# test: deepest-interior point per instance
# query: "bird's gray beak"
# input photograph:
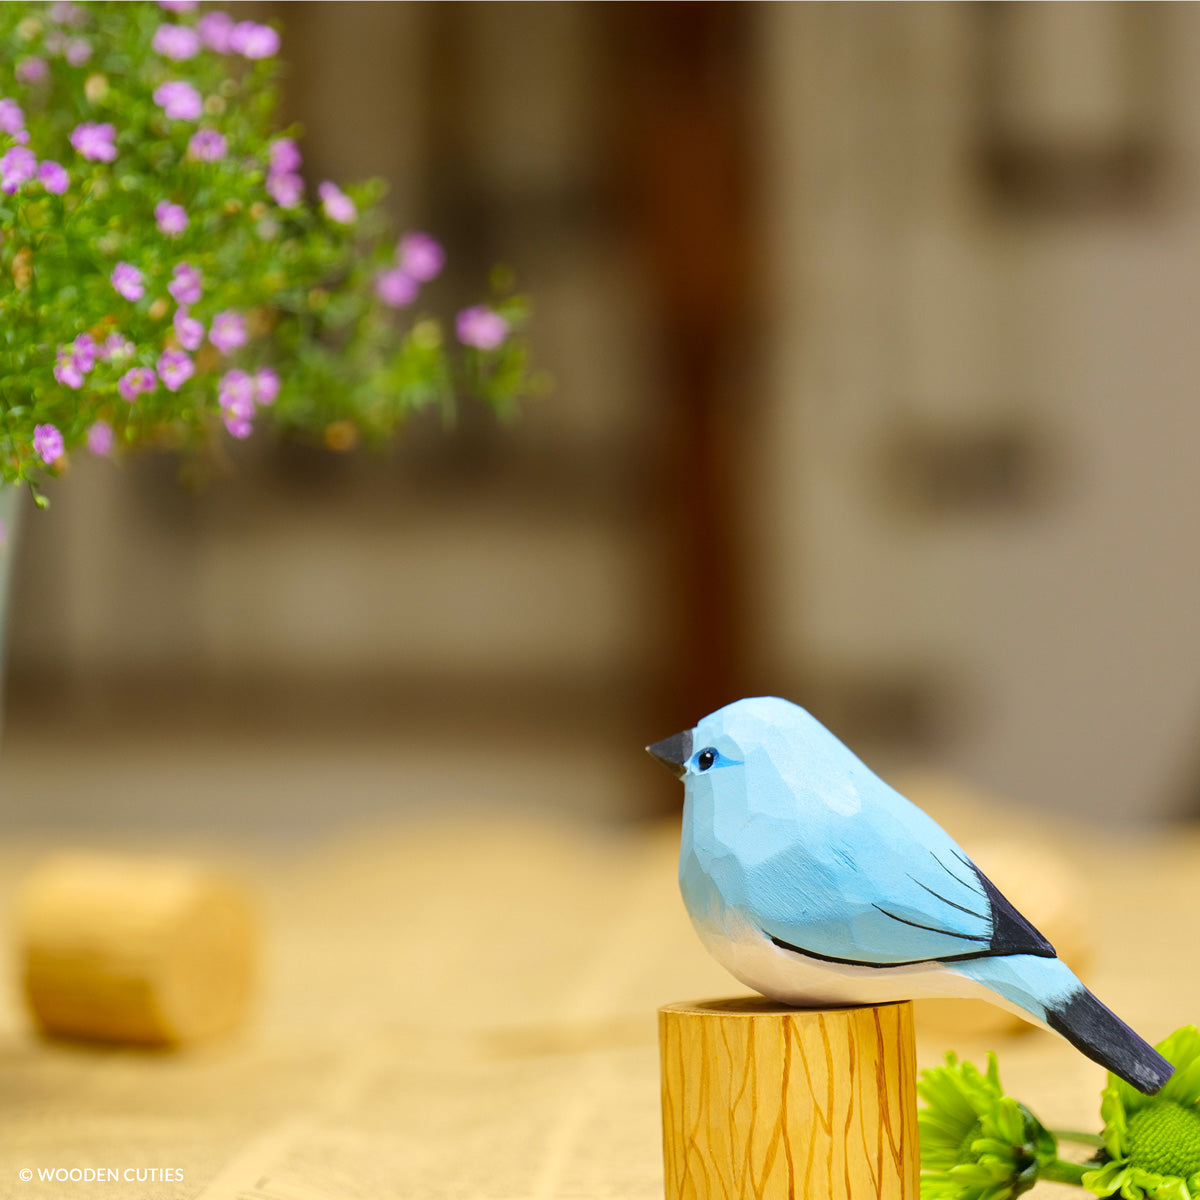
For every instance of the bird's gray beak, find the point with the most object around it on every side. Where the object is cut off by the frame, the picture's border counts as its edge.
(673, 752)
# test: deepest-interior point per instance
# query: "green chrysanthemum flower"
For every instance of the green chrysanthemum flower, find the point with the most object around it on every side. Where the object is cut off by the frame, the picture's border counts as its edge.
(976, 1142)
(1152, 1143)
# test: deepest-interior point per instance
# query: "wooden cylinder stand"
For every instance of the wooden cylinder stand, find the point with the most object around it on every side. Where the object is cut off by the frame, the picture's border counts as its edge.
(773, 1103)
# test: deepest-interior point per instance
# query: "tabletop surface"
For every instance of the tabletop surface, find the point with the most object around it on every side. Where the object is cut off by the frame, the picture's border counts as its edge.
(466, 1008)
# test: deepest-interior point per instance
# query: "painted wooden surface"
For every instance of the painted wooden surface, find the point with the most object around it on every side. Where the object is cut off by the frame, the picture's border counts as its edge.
(770, 1102)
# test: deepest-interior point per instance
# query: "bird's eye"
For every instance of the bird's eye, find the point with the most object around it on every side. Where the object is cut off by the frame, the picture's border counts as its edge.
(706, 758)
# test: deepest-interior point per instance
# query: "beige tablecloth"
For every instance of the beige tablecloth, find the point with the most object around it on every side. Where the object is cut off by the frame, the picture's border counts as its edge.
(468, 1010)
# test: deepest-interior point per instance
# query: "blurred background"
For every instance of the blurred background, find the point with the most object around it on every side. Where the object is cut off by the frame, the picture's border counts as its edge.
(872, 331)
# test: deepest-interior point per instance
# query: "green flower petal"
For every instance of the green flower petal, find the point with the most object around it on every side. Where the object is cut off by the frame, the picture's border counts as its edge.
(991, 1147)
(1153, 1142)
(1009, 1121)
(976, 1143)
(976, 1173)
(1106, 1180)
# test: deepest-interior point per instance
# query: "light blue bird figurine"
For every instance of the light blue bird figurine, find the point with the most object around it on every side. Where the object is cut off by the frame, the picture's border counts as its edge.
(815, 883)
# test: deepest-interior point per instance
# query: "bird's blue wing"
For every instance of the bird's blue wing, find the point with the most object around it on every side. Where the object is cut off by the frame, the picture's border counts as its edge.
(890, 890)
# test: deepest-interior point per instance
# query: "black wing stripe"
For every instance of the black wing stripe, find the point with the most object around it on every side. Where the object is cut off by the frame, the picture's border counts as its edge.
(858, 962)
(938, 896)
(957, 878)
(966, 937)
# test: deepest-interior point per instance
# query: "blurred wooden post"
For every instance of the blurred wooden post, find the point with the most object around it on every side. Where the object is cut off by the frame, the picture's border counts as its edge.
(772, 1103)
(686, 131)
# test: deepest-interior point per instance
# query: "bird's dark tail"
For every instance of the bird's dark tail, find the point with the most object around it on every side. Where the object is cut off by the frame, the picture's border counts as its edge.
(1100, 1034)
(1048, 990)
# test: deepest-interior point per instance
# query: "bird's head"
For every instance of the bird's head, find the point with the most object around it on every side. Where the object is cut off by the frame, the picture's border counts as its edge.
(732, 736)
(766, 757)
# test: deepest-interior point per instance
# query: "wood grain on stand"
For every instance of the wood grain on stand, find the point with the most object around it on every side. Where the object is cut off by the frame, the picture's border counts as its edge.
(770, 1102)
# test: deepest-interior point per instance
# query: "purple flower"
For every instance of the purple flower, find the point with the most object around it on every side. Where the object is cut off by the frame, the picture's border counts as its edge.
(127, 279)
(176, 41)
(215, 29)
(236, 396)
(17, 167)
(179, 100)
(420, 256)
(266, 386)
(115, 347)
(77, 51)
(236, 392)
(395, 287)
(95, 142)
(54, 177)
(172, 219)
(65, 13)
(32, 70)
(284, 156)
(178, 6)
(75, 360)
(12, 119)
(100, 438)
(67, 370)
(174, 369)
(185, 284)
(240, 427)
(252, 40)
(207, 145)
(86, 350)
(480, 327)
(188, 330)
(48, 442)
(286, 190)
(137, 380)
(68, 374)
(228, 331)
(338, 206)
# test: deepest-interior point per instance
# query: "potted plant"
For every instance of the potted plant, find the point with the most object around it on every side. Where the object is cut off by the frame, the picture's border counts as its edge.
(169, 277)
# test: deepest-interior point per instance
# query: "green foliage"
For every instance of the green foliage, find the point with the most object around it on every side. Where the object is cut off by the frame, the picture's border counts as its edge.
(1152, 1143)
(303, 282)
(974, 1147)
(976, 1142)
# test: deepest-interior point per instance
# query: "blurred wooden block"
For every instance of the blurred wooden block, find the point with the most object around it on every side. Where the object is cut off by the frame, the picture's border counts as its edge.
(773, 1103)
(141, 950)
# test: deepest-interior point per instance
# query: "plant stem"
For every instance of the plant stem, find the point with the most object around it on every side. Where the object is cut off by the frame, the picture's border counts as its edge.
(1059, 1171)
(1083, 1139)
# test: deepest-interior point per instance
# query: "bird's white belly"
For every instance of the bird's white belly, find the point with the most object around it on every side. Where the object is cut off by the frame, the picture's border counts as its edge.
(806, 982)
